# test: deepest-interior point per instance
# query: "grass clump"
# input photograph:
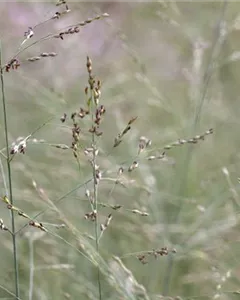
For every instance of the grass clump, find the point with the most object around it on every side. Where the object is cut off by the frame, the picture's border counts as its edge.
(116, 190)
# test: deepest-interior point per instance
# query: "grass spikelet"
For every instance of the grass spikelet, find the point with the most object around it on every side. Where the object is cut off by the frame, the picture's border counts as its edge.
(3, 226)
(42, 55)
(118, 138)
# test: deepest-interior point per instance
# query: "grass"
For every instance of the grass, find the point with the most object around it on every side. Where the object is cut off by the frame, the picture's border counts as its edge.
(9, 192)
(159, 217)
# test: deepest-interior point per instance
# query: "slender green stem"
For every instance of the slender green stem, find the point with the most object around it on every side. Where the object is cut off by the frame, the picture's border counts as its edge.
(32, 267)
(9, 179)
(96, 225)
(95, 196)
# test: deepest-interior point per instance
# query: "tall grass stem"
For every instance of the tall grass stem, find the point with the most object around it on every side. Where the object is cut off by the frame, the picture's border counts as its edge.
(5, 117)
(95, 196)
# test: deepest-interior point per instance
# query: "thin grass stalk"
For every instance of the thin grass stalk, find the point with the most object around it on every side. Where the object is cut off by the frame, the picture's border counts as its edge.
(95, 197)
(14, 242)
(3, 175)
(183, 170)
(92, 104)
(31, 265)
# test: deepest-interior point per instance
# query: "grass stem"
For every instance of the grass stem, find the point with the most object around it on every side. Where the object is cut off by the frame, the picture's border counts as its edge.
(14, 242)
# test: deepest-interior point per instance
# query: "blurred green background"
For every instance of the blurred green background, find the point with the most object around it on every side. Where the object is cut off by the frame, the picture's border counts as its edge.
(173, 64)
